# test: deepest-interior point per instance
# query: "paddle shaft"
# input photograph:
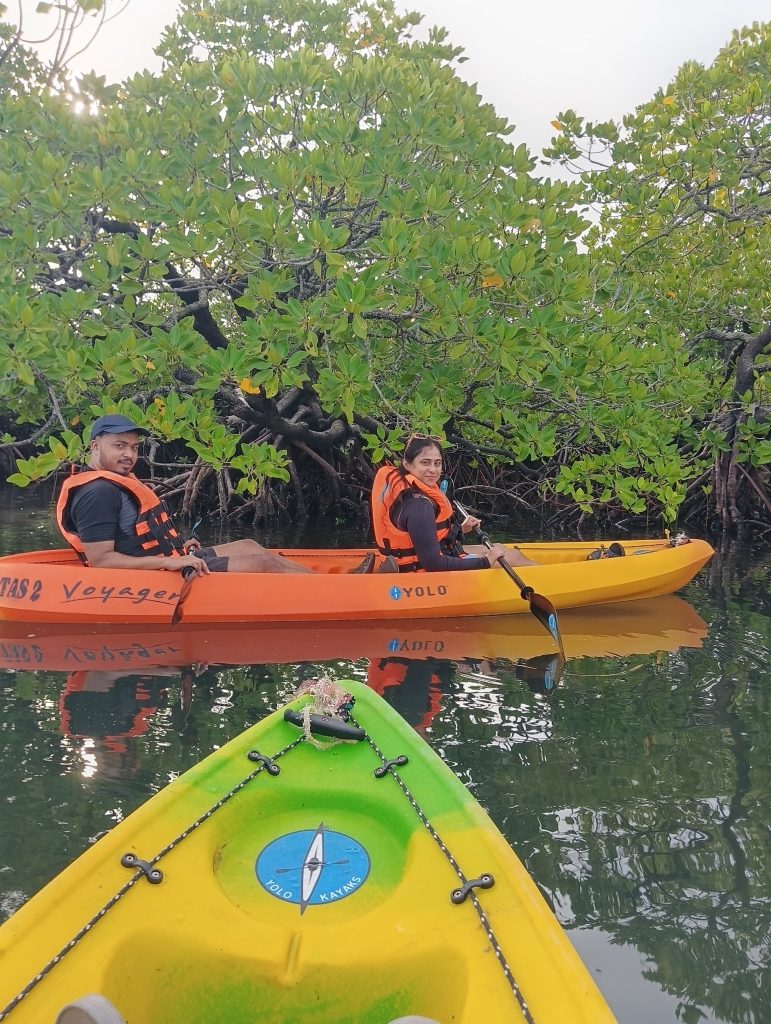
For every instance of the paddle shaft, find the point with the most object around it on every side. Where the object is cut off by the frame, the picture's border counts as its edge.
(540, 606)
(525, 592)
(188, 575)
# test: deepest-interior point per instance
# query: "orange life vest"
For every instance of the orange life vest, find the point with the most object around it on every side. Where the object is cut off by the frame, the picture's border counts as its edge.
(110, 715)
(154, 528)
(390, 484)
(391, 674)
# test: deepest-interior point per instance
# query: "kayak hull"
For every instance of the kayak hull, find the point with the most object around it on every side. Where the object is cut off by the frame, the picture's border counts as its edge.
(52, 586)
(315, 893)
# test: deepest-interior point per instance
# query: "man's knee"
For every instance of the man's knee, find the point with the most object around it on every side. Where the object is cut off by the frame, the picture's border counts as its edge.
(240, 547)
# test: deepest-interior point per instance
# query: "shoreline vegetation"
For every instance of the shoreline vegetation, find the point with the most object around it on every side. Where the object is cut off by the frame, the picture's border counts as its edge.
(306, 236)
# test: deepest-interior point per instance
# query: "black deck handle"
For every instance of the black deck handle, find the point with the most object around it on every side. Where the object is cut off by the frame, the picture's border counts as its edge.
(326, 725)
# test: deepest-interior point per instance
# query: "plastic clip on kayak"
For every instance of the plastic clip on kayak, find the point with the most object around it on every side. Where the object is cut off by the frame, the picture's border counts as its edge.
(326, 725)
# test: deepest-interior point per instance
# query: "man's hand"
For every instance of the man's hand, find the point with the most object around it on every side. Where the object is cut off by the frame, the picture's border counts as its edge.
(193, 544)
(186, 561)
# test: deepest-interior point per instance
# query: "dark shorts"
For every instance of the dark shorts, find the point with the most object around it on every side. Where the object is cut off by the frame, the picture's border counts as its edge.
(216, 563)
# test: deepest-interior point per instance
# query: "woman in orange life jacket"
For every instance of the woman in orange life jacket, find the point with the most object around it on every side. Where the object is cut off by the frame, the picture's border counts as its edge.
(413, 519)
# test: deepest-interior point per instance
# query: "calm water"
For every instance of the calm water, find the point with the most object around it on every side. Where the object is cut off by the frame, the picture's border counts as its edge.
(638, 793)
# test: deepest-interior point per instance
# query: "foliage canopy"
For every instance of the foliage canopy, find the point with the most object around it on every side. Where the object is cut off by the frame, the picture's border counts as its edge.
(307, 235)
(682, 187)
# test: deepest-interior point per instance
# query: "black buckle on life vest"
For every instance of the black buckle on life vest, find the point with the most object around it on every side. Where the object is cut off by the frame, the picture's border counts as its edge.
(387, 549)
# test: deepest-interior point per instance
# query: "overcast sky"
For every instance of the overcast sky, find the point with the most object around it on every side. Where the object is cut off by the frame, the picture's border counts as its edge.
(529, 59)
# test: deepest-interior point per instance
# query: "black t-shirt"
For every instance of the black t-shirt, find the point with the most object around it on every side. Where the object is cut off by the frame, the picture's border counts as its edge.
(102, 510)
(115, 711)
(415, 514)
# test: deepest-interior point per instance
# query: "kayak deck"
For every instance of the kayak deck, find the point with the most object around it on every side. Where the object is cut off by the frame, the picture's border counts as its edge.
(52, 586)
(315, 887)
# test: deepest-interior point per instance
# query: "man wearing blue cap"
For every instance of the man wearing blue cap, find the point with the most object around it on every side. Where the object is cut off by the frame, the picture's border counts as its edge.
(113, 521)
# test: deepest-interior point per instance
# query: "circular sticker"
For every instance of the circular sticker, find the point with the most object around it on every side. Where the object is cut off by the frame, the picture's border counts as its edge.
(395, 593)
(312, 868)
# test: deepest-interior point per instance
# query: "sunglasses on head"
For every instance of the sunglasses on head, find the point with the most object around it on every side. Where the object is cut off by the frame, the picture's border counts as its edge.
(423, 437)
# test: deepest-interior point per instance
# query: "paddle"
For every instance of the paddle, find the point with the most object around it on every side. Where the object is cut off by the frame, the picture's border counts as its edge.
(542, 673)
(188, 575)
(540, 606)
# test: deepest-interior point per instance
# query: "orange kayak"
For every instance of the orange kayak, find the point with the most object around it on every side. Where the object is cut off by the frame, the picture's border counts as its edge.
(52, 586)
(631, 627)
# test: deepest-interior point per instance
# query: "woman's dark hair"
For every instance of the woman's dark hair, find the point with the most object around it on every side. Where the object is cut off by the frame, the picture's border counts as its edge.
(417, 443)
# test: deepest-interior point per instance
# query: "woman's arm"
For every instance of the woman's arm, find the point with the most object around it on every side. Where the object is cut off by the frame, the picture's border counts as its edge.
(416, 516)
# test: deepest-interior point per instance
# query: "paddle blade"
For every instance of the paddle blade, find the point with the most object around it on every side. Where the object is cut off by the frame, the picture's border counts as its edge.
(546, 614)
(542, 674)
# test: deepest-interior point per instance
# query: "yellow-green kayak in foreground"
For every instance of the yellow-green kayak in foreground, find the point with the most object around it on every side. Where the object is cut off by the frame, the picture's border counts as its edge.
(280, 883)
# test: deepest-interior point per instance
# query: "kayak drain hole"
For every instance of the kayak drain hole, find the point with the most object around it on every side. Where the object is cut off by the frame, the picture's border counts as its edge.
(483, 882)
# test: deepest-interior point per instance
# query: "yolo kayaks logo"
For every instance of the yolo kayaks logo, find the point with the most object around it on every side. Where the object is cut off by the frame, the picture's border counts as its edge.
(312, 868)
(397, 593)
(403, 645)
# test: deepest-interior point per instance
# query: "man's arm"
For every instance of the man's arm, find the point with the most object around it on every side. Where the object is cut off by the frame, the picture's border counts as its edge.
(101, 554)
(96, 513)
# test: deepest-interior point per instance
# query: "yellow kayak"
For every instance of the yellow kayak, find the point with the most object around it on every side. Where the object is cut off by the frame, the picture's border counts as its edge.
(279, 882)
(53, 587)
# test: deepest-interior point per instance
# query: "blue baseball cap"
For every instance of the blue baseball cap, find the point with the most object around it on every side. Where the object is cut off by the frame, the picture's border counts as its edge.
(116, 424)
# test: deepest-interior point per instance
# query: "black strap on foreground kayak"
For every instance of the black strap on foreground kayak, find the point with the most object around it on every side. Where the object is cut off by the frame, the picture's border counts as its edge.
(325, 725)
(148, 870)
(468, 885)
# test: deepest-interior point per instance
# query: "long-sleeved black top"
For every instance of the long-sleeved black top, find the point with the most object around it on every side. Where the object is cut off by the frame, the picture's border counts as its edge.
(414, 513)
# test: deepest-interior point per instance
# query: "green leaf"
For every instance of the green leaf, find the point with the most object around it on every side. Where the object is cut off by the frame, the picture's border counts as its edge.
(19, 479)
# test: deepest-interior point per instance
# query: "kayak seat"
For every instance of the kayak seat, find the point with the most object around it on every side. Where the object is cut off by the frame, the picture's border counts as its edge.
(91, 1009)
(366, 565)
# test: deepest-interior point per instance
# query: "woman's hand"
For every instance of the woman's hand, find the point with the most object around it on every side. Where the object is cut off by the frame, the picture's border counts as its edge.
(495, 552)
(470, 523)
(193, 544)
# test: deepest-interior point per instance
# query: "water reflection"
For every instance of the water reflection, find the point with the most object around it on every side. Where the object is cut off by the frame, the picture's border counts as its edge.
(102, 712)
(633, 790)
(634, 627)
(119, 679)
